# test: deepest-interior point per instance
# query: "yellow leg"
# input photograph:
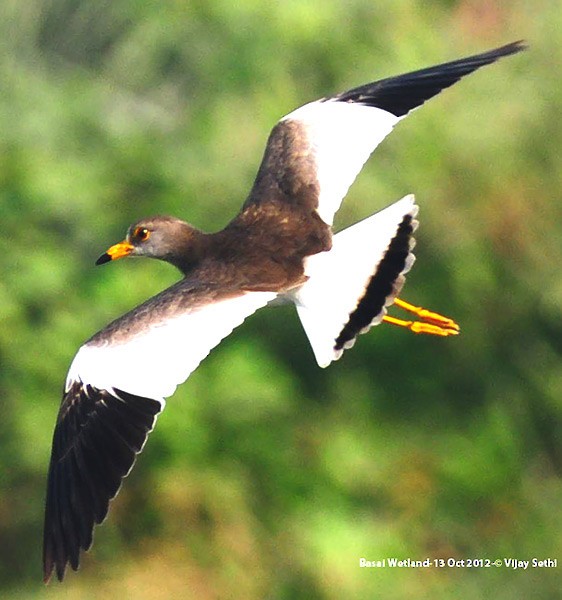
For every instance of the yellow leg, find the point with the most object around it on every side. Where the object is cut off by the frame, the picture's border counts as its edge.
(431, 323)
(427, 315)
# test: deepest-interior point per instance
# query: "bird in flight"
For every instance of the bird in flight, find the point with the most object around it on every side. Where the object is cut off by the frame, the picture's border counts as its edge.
(278, 248)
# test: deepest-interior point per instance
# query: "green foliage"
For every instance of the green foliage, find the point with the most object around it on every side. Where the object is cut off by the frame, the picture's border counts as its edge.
(266, 476)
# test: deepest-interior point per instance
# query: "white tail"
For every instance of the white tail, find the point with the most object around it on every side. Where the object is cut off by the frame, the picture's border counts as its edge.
(350, 286)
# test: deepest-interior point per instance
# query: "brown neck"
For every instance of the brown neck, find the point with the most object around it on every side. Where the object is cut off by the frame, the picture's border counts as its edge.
(188, 255)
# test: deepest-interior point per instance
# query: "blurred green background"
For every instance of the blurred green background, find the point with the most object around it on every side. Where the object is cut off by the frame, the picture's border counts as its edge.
(268, 477)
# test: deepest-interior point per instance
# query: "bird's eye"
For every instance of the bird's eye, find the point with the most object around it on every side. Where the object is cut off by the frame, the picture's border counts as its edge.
(141, 234)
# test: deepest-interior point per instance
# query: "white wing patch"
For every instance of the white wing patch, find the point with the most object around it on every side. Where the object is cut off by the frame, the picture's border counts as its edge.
(338, 278)
(342, 136)
(155, 362)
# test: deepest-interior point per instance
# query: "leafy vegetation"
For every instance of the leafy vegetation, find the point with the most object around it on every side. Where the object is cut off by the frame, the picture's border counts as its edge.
(266, 476)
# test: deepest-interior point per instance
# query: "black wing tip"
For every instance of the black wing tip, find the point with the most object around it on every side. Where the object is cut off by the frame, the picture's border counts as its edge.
(490, 56)
(57, 566)
(48, 568)
(59, 569)
(401, 94)
(96, 440)
(511, 48)
(47, 576)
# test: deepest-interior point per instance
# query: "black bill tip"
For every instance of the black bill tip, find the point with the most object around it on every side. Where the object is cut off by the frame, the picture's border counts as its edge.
(104, 258)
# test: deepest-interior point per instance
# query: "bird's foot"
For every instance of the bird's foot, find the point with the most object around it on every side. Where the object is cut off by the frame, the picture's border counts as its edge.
(431, 323)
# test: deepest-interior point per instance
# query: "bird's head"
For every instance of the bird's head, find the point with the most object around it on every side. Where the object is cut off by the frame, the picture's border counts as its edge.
(161, 237)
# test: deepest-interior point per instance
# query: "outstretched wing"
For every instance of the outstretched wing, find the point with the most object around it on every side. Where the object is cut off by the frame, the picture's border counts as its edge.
(314, 153)
(114, 391)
